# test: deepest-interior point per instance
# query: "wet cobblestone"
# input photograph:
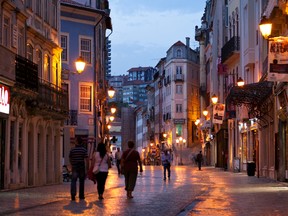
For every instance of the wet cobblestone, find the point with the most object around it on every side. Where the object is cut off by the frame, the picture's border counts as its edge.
(189, 192)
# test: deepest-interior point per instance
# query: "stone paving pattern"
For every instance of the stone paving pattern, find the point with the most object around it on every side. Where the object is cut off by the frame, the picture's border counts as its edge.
(211, 191)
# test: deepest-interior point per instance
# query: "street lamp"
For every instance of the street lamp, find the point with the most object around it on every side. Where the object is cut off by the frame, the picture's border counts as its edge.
(214, 99)
(111, 92)
(265, 27)
(113, 110)
(80, 64)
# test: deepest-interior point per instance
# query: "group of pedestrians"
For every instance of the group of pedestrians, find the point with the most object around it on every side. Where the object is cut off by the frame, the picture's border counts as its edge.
(127, 164)
(100, 165)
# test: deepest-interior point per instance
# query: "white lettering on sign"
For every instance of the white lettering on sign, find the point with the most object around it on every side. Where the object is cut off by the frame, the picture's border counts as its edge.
(4, 99)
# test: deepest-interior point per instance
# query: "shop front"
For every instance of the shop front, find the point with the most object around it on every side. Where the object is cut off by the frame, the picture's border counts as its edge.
(4, 113)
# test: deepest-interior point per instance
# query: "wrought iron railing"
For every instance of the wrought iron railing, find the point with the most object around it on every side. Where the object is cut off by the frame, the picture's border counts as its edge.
(26, 73)
(229, 48)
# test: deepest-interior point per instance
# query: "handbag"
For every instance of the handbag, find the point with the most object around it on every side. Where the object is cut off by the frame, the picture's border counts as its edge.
(91, 175)
(96, 171)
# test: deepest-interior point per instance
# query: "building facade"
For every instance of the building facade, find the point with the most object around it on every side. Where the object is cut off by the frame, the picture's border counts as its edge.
(35, 103)
(254, 128)
(84, 32)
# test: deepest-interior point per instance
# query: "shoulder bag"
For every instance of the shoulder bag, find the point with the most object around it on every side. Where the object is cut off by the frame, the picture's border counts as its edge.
(122, 162)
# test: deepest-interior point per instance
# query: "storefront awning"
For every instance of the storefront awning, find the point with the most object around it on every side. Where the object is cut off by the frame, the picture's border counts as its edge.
(254, 96)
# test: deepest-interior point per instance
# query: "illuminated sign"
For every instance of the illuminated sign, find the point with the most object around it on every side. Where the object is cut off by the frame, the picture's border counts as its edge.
(4, 99)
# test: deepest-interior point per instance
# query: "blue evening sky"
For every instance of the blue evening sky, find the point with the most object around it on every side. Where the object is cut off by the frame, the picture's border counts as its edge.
(143, 30)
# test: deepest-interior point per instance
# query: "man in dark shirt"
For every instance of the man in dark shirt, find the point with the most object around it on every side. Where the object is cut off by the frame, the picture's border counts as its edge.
(78, 157)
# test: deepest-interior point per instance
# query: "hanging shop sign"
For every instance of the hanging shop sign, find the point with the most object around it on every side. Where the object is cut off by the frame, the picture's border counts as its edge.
(278, 59)
(218, 113)
(4, 99)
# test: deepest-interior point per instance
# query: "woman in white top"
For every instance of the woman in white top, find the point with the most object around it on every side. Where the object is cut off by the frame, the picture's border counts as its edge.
(101, 160)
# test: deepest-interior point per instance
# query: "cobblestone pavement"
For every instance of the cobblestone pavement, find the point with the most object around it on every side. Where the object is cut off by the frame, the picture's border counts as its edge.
(189, 192)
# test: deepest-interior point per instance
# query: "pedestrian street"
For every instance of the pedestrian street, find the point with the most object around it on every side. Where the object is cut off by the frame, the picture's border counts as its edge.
(211, 191)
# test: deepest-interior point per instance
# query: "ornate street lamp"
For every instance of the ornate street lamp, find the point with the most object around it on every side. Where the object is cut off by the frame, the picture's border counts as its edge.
(80, 65)
(111, 92)
(265, 27)
(113, 110)
(214, 99)
(205, 113)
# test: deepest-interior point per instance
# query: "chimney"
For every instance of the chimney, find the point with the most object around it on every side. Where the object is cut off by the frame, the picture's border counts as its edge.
(188, 42)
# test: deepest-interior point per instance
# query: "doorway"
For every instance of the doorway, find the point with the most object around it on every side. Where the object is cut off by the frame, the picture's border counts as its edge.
(2, 150)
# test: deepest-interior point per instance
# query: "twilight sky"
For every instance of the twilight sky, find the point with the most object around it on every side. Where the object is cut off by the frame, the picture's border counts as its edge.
(143, 30)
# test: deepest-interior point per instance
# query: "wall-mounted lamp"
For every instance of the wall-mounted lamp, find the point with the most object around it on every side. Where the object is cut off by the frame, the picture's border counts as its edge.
(214, 99)
(109, 126)
(240, 82)
(111, 92)
(164, 135)
(113, 110)
(80, 65)
(111, 118)
(205, 112)
(265, 26)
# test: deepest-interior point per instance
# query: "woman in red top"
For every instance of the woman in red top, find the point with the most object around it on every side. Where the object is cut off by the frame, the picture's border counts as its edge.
(132, 159)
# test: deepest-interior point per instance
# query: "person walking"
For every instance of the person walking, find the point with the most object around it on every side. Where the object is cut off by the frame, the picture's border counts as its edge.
(78, 157)
(199, 159)
(131, 160)
(166, 163)
(102, 164)
(118, 155)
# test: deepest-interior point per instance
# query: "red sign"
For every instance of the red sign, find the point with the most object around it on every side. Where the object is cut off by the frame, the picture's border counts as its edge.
(4, 99)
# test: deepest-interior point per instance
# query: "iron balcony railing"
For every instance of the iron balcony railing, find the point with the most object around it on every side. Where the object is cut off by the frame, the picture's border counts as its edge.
(41, 96)
(232, 46)
(26, 73)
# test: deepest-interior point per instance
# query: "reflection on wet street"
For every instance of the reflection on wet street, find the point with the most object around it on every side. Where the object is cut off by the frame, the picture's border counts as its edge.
(188, 192)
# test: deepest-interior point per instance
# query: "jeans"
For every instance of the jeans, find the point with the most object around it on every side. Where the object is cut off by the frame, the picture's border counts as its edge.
(78, 172)
(118, 166)
(166, 167)
(101, 180)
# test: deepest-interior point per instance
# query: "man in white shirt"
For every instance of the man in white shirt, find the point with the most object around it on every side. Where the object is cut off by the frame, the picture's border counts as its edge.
(118, 156)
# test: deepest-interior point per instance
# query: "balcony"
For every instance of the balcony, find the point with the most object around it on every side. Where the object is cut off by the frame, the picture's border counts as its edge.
(178, 78)
(26, 74)
(42, 97)
(73, 118)
(230, 51)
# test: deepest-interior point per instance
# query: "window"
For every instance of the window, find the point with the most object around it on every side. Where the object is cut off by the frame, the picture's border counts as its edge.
(28, 4)
(6, 32)
(47, 68)
(64, 42)
(178, 70)
(39, 62)
(179, 89)
(21, 43)
(29, 52)
(178, 130)
(38, 7)
(179, 53)
(178, 108)
(85, 98)
(85, 50)
(54, 14)
(46, 11)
